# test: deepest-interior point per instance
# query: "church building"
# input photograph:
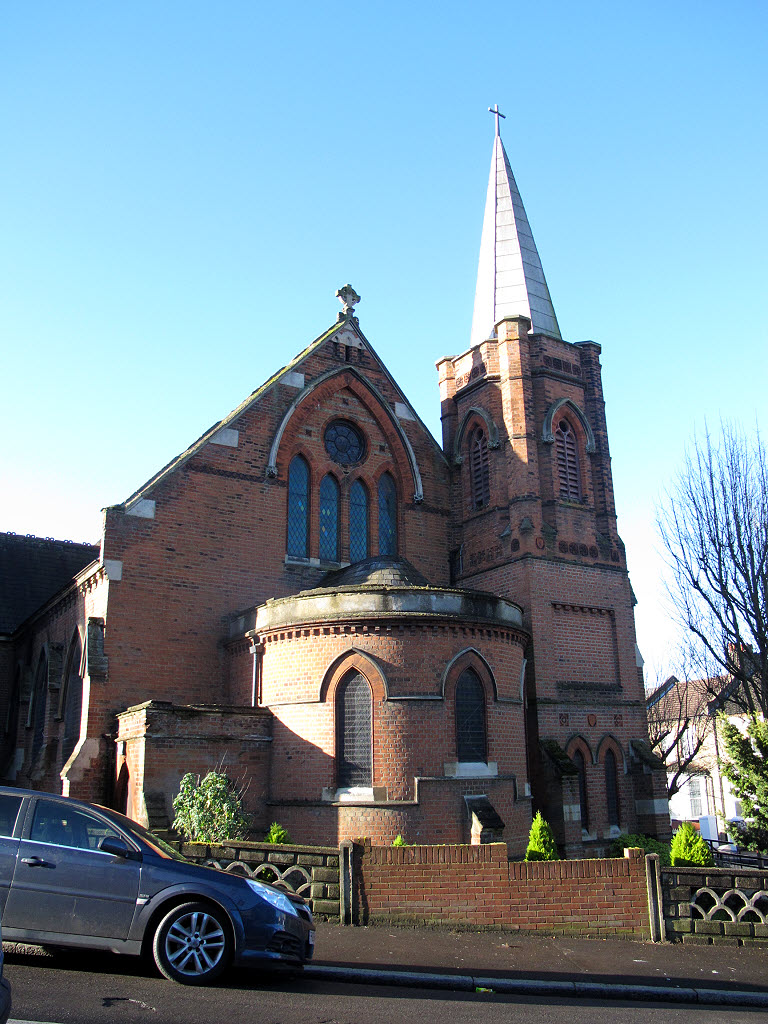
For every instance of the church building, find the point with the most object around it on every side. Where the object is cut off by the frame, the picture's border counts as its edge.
(373, 634)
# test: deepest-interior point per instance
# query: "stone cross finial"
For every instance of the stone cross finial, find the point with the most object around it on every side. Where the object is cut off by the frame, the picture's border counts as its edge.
(495, 110)
(349, 298)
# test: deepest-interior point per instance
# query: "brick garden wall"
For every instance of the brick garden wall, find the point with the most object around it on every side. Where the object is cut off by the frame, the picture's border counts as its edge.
(477, 885)
(716, 905)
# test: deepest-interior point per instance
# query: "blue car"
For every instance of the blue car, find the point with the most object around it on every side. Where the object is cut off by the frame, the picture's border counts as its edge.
(79, 875)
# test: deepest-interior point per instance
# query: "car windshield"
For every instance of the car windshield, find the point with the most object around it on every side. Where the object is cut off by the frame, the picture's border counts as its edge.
(160, 847)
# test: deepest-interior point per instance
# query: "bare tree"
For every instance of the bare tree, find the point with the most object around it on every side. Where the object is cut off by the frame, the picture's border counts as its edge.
(714, 527)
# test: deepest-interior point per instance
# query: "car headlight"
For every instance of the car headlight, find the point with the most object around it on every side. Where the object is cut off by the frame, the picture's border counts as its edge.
(274, 896)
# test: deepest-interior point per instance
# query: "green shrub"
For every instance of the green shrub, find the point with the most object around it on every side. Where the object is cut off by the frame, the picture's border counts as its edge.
(541, 842)
(399, 841)
(277, 834)
(647, 843)
(209, 810)
(689, 849)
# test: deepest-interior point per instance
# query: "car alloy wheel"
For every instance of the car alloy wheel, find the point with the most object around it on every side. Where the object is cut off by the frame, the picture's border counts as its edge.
(192, 944)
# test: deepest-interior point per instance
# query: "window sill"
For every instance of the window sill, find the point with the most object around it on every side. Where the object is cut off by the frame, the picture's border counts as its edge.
(471, 769)
(351, 795)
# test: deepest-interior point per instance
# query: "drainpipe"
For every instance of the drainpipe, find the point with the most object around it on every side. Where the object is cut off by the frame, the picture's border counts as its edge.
(257, 650)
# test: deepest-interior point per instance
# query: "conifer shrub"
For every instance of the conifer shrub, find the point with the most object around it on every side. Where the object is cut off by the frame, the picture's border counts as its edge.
(541, 842)
(209, 810)
(277, 834)
(689, 849)
(647, 843)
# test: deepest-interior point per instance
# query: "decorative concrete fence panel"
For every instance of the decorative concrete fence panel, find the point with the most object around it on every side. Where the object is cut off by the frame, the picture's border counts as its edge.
(310, 871)
(721, 905)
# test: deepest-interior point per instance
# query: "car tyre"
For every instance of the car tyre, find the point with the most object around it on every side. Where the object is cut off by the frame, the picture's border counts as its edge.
(192, 944)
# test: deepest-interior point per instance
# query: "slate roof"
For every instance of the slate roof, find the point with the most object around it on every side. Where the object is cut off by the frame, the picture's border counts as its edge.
(32, 570)
(378, 571)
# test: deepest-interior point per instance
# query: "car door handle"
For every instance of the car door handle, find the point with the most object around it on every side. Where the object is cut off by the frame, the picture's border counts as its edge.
(36, 862)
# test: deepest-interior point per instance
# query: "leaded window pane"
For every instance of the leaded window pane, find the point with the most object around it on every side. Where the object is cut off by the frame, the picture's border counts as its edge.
(344, 442)
(387, 516)
(568, 462)
(611, 788)
(470, 718)
(329, 519)
(298, 508)
(581, 767)
(353, 719)
(358, 522)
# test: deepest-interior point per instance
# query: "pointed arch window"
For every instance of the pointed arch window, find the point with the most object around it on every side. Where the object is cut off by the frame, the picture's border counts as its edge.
(612, 788)
(73, 700)
(581, 768)
(358, 522)
(568, 461)
(329, 519)
(387, 516)
(471, 743)
(354, 761)
(298, 507)
(37, 711)
(479, 470)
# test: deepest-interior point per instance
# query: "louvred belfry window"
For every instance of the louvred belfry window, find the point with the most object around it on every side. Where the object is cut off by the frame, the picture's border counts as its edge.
(470, 718)
(479, 470)
(298, 508)
(353, 733)
(568, 462)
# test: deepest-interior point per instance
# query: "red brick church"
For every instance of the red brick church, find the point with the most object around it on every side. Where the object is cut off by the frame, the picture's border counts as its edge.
(373, 633)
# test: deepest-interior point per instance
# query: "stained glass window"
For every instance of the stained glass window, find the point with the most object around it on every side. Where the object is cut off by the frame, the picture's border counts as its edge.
(479, 469)
(298, 507)
(344, 442)
(358, 522)
(387, 516)
(611, 788)
(353, 735)
(470, 717)
(329, 519)
(568, 462)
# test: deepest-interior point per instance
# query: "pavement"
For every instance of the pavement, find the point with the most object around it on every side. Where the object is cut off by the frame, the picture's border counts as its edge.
(511, 962)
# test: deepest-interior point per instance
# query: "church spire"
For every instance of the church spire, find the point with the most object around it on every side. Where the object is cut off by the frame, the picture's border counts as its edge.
(510, 280)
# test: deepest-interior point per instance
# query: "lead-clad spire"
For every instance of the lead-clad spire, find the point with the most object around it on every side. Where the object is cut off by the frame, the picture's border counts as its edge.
(510, 280)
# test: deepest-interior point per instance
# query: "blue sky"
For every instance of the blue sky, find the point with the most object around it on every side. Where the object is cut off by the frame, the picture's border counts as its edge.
(184, 186)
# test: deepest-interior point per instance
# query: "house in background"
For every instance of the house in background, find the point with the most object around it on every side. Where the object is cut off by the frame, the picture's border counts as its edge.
(374, 633)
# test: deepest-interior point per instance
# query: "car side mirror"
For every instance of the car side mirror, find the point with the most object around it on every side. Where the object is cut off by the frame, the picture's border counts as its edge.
(115, 846)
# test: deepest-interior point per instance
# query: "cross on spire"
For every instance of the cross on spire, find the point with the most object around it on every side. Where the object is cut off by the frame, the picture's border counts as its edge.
(495, 110)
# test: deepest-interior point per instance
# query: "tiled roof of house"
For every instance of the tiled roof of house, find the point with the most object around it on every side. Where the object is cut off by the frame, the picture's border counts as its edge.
(32, 570)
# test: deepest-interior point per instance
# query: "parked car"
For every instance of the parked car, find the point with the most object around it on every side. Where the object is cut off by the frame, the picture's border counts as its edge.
(5, 990)
(76, 874)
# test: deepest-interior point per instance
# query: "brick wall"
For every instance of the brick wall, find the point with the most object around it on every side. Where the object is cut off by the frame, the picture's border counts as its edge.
(716, 905)
(477, 885)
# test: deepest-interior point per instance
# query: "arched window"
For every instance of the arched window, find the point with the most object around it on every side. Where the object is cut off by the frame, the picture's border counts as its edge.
(611, 788)
(568, 461)
(478, 468)
(358, 522)
(470, 718)
(329, 519)
(298, 507)
(353, 732)
(73, 700)
(581, 768)
(387, 516)
(39, 700)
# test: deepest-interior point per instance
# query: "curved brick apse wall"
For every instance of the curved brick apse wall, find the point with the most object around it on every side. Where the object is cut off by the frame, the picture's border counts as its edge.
(411, 644)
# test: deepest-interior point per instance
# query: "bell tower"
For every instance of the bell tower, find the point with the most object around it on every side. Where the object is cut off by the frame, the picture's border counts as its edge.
(534, 520)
